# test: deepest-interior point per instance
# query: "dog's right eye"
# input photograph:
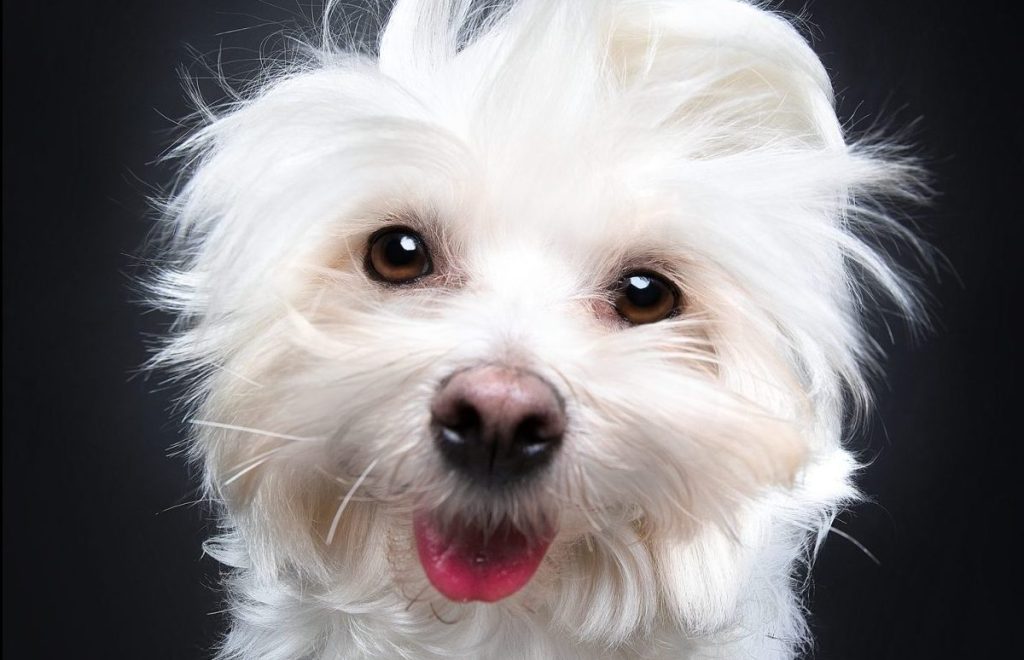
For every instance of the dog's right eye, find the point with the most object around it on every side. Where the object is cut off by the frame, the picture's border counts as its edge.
(397, 256)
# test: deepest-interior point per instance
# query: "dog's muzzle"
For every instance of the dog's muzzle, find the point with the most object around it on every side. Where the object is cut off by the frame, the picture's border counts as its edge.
(496, 425)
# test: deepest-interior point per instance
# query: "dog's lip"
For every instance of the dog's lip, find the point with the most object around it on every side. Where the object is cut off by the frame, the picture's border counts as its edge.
(466, 564)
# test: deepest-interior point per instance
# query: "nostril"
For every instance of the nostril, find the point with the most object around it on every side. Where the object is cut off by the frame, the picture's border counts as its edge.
(536, 431)
(466, 418)
(456, 426)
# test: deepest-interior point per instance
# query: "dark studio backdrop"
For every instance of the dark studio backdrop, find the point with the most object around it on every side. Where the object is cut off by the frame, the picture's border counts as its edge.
(99, 562)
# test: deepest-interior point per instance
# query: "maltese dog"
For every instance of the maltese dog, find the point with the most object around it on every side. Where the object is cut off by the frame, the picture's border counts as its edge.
(533, 331)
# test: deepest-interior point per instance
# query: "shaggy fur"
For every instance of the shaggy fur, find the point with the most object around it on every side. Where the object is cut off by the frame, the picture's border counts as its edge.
(542, 149)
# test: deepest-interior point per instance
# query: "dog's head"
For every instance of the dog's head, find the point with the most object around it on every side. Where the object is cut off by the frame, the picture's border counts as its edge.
(526, 305)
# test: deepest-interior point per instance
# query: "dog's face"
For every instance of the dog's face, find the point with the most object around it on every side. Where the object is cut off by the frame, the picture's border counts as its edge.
(521, 323)
(494, 371)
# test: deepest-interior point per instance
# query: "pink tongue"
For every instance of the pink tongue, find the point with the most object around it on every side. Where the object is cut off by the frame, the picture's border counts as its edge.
(467, 566)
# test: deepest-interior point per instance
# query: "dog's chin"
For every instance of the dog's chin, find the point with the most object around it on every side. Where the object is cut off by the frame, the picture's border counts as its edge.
(467, 561)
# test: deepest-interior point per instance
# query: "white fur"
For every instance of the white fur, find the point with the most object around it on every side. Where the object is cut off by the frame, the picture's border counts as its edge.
(541, 148)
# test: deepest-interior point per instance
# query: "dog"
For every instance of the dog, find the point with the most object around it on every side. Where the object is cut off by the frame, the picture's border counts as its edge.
(534, 331)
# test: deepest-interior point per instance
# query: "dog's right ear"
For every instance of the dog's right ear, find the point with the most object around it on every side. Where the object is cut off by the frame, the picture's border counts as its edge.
(419, 36)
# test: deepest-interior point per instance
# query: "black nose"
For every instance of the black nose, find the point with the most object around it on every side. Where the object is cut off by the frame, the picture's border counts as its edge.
(496, 425)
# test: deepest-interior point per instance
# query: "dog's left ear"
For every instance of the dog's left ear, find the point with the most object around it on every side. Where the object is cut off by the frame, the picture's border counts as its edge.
(697, 577)
(725, 64)
(706, 584)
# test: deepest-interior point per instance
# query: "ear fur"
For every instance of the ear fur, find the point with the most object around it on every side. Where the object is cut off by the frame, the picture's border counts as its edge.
(734, 66)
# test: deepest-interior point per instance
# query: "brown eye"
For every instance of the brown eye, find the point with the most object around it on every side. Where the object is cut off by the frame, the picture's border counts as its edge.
(398, 256)
(646, 298)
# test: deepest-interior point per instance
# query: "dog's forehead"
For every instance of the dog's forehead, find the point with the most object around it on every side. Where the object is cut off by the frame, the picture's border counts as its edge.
(559, 200)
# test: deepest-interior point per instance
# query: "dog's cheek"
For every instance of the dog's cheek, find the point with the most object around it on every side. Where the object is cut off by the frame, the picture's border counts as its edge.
(694, 458)
(286, 509)
(756, 454)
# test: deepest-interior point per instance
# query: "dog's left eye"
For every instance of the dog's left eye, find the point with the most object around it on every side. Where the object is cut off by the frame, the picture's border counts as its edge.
(644, 297)
(398, 256)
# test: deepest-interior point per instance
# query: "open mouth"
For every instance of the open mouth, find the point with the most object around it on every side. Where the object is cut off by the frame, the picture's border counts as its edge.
(466, 563)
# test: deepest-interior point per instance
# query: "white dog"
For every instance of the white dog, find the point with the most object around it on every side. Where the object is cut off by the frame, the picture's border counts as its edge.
(533, 334)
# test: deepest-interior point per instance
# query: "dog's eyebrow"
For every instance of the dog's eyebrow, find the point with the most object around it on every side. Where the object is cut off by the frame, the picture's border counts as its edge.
(425, 221)
(671, 262)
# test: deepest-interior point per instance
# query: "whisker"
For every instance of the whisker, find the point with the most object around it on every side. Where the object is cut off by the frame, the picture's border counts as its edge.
(254, 431)
(345, 482)
(237, 375)
(438, 617)
(256, 461)
(180, 505)
(858, 544)
(417, 597)
(242, 473)
(402, 453)
(347, 499)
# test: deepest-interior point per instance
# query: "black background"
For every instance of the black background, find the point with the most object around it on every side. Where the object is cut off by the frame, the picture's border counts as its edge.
(94, 563)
